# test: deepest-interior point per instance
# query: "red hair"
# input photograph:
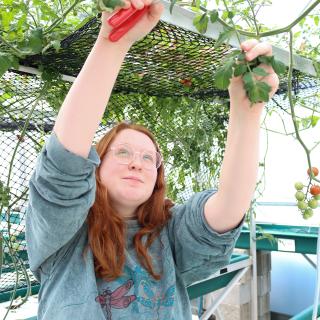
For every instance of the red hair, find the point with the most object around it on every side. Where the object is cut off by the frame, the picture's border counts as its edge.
(107, 229)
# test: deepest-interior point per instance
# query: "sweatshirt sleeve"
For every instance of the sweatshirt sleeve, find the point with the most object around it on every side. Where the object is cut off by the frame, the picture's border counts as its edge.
(198, 250)
(61, 191)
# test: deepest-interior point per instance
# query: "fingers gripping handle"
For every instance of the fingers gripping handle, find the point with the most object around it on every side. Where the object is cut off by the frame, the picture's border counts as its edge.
(121, 16)
(123, 21)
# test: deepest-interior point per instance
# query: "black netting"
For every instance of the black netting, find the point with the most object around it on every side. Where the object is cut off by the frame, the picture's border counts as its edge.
(160, 65)
(166, 83)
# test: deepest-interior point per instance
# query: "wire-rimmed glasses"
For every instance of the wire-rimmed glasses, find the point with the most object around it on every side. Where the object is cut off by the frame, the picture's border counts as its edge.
(124, 154)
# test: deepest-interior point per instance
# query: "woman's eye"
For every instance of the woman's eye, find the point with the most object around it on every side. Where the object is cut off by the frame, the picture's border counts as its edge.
(123, 152)
(148, 157)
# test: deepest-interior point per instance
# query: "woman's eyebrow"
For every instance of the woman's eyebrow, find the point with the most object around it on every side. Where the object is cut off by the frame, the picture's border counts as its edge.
(133, 147)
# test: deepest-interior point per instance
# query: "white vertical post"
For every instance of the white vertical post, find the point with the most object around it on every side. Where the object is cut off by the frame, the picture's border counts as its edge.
(317, 292)
(253, 253)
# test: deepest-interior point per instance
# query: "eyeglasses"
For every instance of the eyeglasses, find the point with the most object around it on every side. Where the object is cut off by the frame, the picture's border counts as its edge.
(124, 154)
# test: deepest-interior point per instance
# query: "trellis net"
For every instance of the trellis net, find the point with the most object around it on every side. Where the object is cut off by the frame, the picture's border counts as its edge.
(166, 83)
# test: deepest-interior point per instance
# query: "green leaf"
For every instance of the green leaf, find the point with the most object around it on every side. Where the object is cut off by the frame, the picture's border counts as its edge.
(278, 66)
(230, 14)
(14, 62)
(260, 72)
(36, 40)
(223, 37)
(233, 53)
(241, 56)
(257, 91)
(240, 69)
(201, 22)
(223, 76)
(248, 80)
(109, 5)
(56, 44)
(214, 15)
(6, 19)
(314, 120)
(316, 66)
(306, 122)
(5, 63)
(316, 20)
(266, 60)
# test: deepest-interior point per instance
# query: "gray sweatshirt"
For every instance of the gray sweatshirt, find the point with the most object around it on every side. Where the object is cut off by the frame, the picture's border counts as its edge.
(62, 190)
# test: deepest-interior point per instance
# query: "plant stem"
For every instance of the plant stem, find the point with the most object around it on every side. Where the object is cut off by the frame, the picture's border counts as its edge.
(254, 18)
(18, 52)
(271, 32)
(60, 19)
(233, 25)
(290, 97)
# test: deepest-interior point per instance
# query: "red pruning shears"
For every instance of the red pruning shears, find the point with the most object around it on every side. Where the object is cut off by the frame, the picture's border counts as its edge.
(123, 20)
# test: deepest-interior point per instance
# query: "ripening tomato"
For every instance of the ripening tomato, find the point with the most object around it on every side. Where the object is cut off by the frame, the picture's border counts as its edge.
(315, 190)
(186, 82)
(314, 170)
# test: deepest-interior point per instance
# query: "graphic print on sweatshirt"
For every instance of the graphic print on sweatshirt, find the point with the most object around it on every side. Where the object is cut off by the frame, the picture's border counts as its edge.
(136, 293)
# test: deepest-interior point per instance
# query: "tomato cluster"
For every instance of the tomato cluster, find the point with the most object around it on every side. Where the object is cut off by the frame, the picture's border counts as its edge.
(306, 205)
(4, 195)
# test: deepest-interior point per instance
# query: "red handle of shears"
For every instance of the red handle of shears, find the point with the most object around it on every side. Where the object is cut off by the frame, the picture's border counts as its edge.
(123, 20)
(121, 16)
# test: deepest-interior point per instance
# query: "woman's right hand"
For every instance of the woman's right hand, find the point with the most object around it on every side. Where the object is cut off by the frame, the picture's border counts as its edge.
(143, 26)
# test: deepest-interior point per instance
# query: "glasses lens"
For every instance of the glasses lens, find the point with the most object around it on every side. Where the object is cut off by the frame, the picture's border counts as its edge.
(149, 159)
(123, 154)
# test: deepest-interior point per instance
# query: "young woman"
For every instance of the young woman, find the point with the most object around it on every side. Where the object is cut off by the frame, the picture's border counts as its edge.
(102, 239)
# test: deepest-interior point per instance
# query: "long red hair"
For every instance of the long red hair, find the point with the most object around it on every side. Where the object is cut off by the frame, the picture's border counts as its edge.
(107, 229)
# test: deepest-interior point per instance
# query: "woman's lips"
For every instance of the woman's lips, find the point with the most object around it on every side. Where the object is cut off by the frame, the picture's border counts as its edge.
(133, 179)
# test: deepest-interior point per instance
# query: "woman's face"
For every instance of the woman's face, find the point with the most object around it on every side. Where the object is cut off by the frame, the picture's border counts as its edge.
(129, 185)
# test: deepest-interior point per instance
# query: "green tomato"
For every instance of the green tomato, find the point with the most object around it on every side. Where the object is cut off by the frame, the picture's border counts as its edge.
(302, 205)
(316, 197)
(308, 213)
(313, 203)
(15, 246)
(299, 195)
(298, 186)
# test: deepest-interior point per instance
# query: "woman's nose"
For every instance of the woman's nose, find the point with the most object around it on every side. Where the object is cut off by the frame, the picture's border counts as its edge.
(136, 161)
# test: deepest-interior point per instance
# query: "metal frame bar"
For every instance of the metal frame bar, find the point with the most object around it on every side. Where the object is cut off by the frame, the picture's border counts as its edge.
(224, 293)
(253, 254)
(317, 290)
(230, 268)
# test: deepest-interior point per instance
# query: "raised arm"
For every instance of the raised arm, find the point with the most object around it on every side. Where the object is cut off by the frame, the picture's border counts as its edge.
(85, 103)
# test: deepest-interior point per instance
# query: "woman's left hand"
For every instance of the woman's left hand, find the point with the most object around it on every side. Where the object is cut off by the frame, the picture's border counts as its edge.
(238, 97)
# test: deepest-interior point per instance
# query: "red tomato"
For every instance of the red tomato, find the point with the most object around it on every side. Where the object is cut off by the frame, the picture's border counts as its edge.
(315, 190)
(314, 170)
(186, 82)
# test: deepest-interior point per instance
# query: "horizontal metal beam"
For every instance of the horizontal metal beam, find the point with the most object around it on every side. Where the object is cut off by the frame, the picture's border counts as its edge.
(37, 72)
